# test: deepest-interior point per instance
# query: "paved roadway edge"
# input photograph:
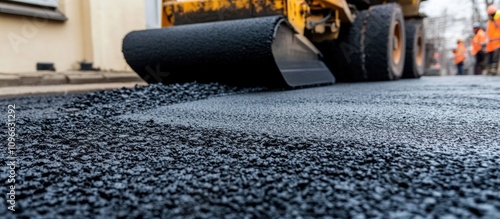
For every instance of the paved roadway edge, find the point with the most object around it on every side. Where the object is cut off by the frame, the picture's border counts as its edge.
(18, 91)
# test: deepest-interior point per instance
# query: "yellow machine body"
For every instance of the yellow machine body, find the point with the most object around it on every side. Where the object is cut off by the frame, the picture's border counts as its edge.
(410, 7)
(320, 18)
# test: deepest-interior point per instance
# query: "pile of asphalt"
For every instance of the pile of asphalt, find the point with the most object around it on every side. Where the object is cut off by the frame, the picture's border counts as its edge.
(77, 159)
(109, 103)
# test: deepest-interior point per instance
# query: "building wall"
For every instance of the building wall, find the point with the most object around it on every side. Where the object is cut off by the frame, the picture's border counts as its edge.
(93, 32)
(111, 20)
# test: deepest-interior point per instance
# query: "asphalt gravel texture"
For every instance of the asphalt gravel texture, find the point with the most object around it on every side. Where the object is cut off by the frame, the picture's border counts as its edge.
(426, 148)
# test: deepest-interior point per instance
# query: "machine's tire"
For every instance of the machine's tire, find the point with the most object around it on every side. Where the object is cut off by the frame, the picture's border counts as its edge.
(353, 52)
(345, 56)
(385, 42)
(415, 49)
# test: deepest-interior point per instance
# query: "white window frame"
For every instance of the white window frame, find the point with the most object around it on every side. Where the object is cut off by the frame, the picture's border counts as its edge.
(46, 9)
(46, 3)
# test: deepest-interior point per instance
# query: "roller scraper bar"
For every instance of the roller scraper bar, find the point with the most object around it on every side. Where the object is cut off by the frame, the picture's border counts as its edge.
(262, 51)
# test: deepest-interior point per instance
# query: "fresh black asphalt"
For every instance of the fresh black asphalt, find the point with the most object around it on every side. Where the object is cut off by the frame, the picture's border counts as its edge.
(425, 148)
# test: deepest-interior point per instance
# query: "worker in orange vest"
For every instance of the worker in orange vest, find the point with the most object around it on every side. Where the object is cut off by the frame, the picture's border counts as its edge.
(459, 56)
(493, 45)
(478, 46)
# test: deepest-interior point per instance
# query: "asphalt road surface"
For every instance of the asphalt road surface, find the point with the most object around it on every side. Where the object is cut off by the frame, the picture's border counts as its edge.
(426, 148)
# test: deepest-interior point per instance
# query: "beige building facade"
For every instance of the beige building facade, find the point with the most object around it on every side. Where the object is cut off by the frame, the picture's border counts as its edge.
(67, 32)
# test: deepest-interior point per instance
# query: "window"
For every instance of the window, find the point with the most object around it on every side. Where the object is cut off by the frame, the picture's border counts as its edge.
(47, 9)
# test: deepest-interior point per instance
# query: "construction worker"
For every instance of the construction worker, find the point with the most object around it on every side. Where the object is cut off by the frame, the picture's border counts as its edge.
(459, 56)
(478, 46)
(493, 45)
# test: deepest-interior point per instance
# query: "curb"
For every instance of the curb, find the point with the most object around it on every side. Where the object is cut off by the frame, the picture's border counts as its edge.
(8, 80)
(65, 78)
(125, 77)
(53, 80)
(85, 78)
(19, 91)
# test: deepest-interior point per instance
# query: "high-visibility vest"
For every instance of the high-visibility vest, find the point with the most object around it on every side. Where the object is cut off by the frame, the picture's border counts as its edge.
(478, 41)
(493, 33)
(459, 54)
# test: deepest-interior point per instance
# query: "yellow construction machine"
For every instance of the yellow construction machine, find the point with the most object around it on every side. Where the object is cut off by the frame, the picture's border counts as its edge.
(280, 43)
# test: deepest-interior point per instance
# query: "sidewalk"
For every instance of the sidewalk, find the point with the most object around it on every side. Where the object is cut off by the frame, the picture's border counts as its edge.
(47, 82)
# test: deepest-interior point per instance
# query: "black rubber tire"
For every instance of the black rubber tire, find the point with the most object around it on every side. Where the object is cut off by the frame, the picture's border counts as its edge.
(415, 49)
(382, 23)
(345, 56)
(353, 52)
